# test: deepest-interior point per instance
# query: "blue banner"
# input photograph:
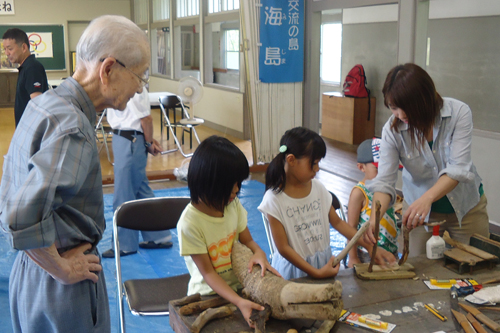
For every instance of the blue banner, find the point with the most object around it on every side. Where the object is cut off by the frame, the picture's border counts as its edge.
(281, 57)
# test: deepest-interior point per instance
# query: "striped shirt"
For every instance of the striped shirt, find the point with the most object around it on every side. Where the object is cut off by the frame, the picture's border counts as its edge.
(51, 188)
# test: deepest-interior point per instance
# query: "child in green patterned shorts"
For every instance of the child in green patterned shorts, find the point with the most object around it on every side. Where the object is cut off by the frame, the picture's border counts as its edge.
(360, 204)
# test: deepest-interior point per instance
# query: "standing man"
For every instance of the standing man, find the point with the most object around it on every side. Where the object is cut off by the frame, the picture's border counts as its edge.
(132, 140)
(51, 199)
(32, 79)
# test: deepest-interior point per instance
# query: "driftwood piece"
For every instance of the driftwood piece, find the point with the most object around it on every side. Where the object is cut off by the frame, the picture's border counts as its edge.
(406, 245)
(404, 271)
(199, 306)
(351, 243)
(211, 314)
(287, 299)
(467, 248)
(259, 318)
(375, 233)
(326, 326)
(186, 300)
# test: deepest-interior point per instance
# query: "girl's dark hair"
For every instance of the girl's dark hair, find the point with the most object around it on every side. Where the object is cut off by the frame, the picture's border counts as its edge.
(216, 165)
(411, 89)
(301, 142)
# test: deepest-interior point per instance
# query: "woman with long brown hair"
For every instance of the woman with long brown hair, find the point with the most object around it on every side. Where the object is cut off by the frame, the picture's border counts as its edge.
(432, 137)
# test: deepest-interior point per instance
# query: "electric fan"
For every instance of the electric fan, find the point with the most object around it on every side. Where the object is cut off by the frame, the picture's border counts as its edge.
(190, 91)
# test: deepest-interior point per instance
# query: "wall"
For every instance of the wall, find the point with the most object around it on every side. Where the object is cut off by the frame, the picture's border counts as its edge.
(463, 58)
(62, 11)
(221, 109)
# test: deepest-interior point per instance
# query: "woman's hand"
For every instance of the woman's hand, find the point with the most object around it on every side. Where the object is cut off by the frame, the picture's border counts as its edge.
(328, 270)
(415, 215)
(259, 258)
(246, 307)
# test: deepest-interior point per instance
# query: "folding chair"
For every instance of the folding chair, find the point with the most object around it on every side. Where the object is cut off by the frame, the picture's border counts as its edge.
(172, 102)
(103, 132)
(272, 247)
(148, 296)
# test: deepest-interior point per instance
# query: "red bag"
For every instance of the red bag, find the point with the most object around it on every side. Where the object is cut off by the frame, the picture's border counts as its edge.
(355, 85)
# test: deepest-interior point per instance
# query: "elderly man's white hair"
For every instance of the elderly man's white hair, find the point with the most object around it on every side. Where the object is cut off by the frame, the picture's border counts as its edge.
(112, 36)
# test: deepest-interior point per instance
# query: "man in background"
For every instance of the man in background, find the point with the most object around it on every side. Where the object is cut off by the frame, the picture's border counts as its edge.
(51, 199)
(32, 79)
(132, 141)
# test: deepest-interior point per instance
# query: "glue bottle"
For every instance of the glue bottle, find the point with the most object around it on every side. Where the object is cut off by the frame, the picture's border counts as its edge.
(435, 245)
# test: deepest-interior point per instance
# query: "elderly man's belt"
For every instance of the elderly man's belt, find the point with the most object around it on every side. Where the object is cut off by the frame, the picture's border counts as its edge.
(129, 135)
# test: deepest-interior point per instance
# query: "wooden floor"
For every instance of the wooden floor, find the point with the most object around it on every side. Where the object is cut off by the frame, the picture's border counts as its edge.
(338, 169)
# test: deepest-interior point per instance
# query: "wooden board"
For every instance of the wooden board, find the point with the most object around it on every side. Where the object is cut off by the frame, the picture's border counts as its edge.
(405, 271)
(485, 244)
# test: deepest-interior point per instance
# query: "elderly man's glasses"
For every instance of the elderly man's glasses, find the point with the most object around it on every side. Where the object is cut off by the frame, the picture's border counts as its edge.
(143, 81)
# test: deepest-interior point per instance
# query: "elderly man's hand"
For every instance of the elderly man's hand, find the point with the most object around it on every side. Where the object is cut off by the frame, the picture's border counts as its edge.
(71, 267)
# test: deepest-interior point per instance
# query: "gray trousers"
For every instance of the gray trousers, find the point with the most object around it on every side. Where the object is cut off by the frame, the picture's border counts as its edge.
(40, 304)
(131, 183)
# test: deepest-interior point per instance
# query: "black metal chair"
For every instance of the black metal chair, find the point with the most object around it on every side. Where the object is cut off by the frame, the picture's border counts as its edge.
(169, 102)
(148, 296)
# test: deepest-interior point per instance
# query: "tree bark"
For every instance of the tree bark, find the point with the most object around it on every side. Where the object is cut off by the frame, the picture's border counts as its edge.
(287, 299)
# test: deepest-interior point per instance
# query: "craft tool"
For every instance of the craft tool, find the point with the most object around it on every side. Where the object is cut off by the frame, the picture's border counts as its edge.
(481, 317)
(436, 282)
(373, 322)
(435, 312)
(454, 306)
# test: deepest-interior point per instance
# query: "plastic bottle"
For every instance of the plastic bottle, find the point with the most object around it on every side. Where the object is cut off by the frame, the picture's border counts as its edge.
(435, 245)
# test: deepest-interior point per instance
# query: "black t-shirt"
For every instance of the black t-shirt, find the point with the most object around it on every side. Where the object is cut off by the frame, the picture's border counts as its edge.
(32, 78)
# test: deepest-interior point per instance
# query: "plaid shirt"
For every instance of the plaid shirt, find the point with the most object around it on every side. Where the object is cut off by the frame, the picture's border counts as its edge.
(51, 189)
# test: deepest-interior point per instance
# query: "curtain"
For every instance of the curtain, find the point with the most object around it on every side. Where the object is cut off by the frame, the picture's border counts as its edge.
(274, 107)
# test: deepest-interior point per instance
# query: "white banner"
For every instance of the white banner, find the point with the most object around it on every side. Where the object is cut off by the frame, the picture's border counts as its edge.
(41, 44)
(7, 7)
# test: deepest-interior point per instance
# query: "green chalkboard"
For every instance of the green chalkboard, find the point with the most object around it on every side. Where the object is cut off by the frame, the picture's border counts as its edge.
(57, 61)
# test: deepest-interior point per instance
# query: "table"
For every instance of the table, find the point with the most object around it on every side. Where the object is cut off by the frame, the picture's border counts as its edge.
(154, 97)
(373, 297)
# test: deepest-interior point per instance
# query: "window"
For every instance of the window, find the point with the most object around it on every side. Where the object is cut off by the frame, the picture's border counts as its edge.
(160, 49)
(331, 51)
(140, 12)
(216, 6)
(232, 49)
(187, 8)
(187, 49)
(161, 10)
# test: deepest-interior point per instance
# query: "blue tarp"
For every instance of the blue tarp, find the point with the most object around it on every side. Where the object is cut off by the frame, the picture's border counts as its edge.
(148, 263)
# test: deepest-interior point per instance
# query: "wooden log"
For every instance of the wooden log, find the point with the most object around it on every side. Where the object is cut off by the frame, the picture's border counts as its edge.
(287, 299)
(186, 300)
(210, 314)
(259, 318)
(326, 326)
(376, 232)
(200, 306)
(467, 248)
(351, 243)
